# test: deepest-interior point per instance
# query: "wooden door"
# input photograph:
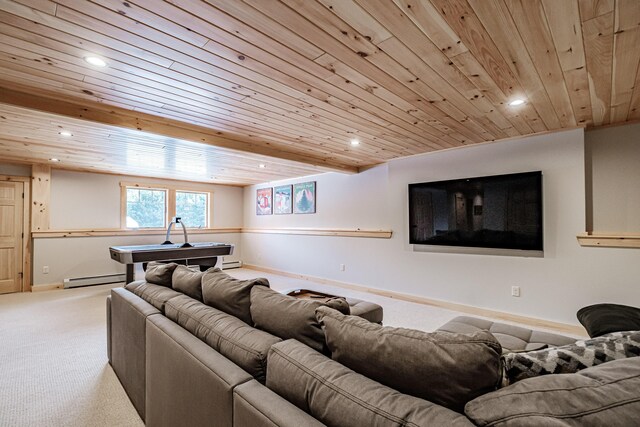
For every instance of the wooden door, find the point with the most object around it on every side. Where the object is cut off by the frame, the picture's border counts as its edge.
(11, 217)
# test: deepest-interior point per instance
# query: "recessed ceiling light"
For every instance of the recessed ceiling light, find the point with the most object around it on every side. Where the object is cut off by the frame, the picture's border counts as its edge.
(65, 133)
(53, 159)
(262, 166)
(355, 142)
(516, 102)
(94, 60)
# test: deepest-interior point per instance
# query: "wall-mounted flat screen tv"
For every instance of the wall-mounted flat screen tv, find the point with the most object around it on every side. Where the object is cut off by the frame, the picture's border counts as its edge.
(502, 211)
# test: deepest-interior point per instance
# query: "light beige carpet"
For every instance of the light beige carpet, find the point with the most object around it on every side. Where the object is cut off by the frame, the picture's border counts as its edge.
(53, 362)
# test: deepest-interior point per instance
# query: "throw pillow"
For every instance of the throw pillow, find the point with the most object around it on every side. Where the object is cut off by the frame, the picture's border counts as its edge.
(188, 281)
(231, 295)
(159, 273)
(441, 367)
(289, 317)
(600, 319)
(604, 395)
(573, 357)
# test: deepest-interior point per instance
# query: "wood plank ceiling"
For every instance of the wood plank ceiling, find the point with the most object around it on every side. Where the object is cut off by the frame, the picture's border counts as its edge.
(299, 79)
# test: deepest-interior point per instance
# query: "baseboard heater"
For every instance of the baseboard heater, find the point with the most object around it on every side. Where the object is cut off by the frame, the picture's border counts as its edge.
(93, 280)
(117, 278)
(226, 265)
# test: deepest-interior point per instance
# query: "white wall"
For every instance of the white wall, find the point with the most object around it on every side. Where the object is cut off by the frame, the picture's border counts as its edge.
(615, 174)
(88, 201)
(342, 201)
(553, 287)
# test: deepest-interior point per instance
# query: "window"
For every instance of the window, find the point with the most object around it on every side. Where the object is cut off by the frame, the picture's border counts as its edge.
(192, 208)
(147, 207)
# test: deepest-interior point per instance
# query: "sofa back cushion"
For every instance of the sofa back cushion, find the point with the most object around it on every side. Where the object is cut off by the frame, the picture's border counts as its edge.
(244, 345)
(156, 295)
(444, 368)
(160, 273)
(338, 396)
(188, 281)
(289, 317)
(231, 295)
(603, 395)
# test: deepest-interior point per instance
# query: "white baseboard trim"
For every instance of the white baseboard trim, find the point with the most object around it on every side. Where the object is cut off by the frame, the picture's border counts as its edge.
(533, 322)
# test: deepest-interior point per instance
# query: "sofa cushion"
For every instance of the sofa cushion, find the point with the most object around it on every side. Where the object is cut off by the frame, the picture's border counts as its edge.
(156, 295)
(367, 310)
(338, 396)
(244, 345)
(444, 368)
(188, 281)
(573, 357)
(511, 338)
(231, 295)
(600, 319)
(289, 317)
(604, 395)
(159, 273)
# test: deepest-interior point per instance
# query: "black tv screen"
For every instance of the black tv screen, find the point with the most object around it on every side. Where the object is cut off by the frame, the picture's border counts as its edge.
(502, 211)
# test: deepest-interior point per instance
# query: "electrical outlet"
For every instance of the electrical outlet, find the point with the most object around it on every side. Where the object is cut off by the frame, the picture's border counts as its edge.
(45, 269)
(342, 267)
(515, 291)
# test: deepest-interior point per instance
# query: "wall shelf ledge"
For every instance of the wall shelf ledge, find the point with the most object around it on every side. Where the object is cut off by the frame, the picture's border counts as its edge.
(609, 240)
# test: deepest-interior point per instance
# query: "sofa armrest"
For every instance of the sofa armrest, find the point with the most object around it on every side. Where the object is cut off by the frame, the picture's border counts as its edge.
(188, 382)
(128, 348)
(254, 405)
(109, 328)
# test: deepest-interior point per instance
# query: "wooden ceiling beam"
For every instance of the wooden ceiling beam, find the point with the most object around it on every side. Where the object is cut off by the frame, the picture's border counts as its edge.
(116, 116)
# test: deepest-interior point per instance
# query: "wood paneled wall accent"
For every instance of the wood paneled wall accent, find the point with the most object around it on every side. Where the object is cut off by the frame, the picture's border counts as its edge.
(40, 196)
(297, 80)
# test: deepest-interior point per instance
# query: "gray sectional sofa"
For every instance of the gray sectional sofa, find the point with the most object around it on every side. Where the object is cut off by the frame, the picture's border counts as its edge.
(186, 363)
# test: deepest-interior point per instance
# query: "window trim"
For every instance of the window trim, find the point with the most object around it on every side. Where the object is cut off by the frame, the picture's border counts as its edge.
(170, 204)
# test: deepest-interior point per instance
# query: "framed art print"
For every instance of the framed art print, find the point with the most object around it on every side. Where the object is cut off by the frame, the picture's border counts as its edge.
(264, 200)
(282, 199)
(304, 198)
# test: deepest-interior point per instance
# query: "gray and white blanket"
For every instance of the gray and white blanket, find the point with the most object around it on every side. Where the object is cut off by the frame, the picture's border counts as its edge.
(570, 358)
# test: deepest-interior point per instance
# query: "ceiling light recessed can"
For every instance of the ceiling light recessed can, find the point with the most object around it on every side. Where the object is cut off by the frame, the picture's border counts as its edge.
(94, 60)
(516, 102)
(65, 133)
(262, 166)
(53, 159)
(355, 142)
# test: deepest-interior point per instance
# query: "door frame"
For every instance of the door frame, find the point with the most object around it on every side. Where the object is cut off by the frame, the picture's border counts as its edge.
(25, 286)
